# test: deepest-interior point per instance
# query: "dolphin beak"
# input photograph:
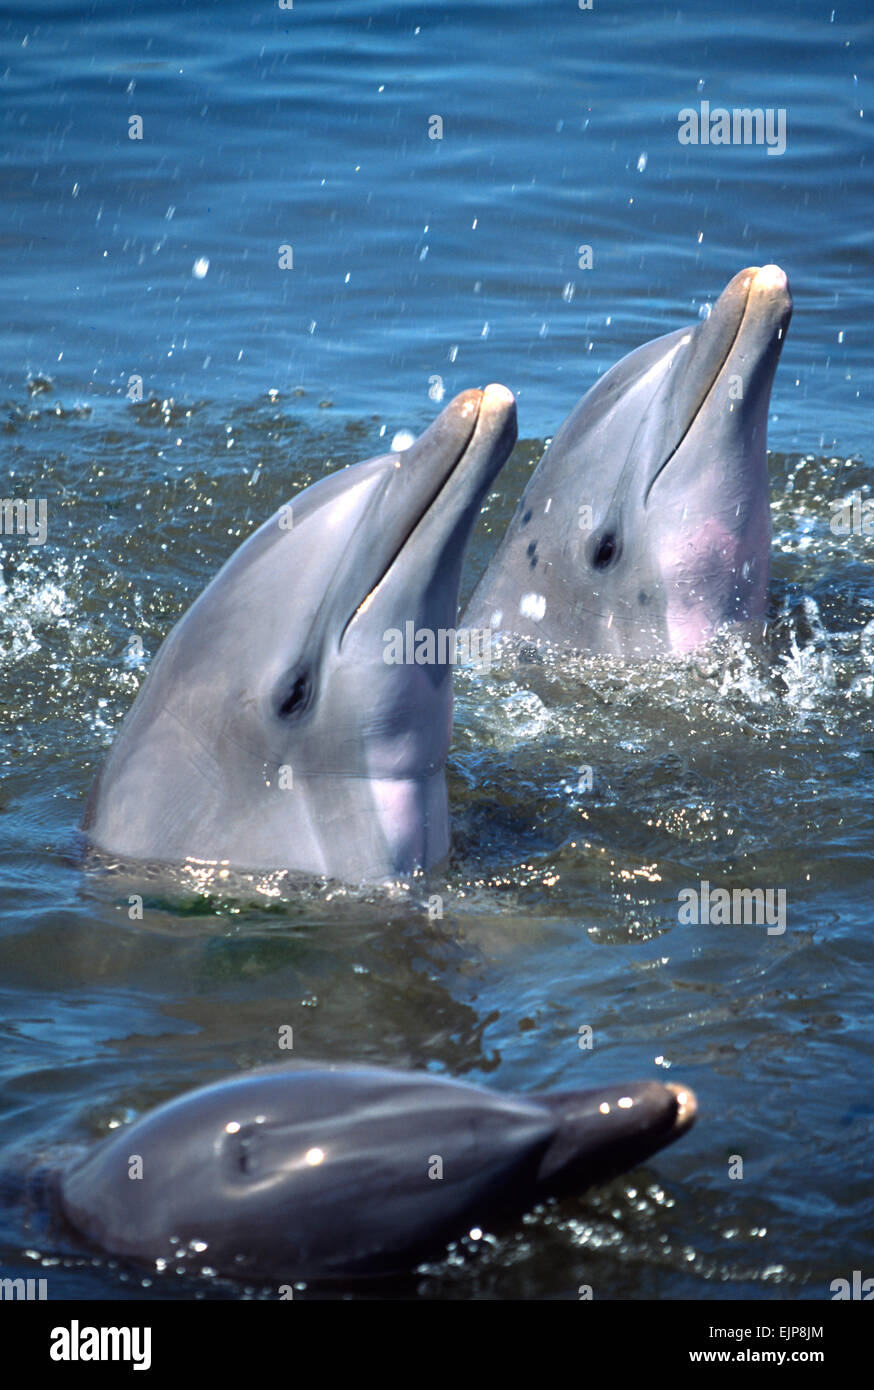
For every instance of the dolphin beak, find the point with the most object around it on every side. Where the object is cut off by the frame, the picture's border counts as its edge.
(771, 281)
(747, 325)
(605, 1131)
(498, 400)
(687, 1109)
(477, 427)
(756, 297)
(767, 313)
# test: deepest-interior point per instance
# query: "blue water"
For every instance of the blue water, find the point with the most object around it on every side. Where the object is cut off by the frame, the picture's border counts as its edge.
(416, 257)
(423, 266)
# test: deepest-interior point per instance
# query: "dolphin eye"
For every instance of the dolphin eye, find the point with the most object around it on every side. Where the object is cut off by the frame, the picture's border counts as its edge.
(606, 550)
(296, 699)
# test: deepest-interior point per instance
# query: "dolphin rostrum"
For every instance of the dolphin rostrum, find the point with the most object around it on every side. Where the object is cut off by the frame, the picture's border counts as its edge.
(646, 525)
(319, 1172)
(275, 729)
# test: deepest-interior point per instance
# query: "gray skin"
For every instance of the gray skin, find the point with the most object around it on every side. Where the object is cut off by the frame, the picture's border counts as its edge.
(671, 461)
(317, 1172)
(280, 665)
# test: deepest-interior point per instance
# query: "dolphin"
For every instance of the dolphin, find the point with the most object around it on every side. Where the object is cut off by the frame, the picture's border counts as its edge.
(276, 730)
(318, 1172)
(646, 525)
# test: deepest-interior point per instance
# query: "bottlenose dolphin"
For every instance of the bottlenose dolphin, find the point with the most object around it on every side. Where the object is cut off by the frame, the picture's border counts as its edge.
(318, 1172)
(646, 525)
(272, 731)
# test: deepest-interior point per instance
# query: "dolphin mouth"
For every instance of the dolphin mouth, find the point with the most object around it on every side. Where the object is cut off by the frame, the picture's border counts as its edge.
(492, 395)
(757, 304)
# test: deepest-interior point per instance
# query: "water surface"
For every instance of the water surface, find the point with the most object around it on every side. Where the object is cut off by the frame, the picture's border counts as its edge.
(454, 260)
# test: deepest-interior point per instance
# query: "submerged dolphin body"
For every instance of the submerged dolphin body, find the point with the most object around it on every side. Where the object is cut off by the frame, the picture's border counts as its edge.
(315, 1172)
(646, 525)
(271, 732)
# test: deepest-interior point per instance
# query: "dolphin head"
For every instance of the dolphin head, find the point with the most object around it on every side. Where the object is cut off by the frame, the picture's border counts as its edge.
(646, 525)
(274, 730)
(319, 1172)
